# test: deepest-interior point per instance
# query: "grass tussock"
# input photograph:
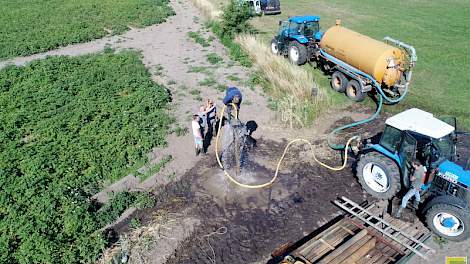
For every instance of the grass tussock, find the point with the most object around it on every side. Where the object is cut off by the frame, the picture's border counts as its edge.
(207, 9)
(297, 96)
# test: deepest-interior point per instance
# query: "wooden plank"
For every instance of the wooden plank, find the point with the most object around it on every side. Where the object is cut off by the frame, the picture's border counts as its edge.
(303, 250)
(378, 235)
(343, 247)
(317, 253)
(361, 252)
(373, 253)
(349, 251)
(317, 249)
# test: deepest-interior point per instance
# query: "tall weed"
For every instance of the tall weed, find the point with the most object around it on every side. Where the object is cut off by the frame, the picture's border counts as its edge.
(299, 99)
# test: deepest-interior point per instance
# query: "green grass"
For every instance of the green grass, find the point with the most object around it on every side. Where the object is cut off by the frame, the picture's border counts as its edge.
(30, 27)
(197, 69)
(198, 38)
(437, 29)
(66, 126)
(155, 168)
(208, 81)
(213, 58)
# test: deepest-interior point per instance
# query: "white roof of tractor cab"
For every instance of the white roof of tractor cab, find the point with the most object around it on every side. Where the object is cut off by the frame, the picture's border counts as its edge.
(421, 122)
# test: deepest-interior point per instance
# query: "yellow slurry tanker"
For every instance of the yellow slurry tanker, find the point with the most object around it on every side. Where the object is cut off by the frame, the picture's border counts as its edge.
(357, 63)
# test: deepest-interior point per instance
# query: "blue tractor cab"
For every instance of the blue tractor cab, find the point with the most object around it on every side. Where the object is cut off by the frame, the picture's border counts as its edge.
(297, 38)
(383, 169)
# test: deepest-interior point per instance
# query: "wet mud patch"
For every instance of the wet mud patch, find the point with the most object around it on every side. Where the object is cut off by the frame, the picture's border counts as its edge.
(257, 221)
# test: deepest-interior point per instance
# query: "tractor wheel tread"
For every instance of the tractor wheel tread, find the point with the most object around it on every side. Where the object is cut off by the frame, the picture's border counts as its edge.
(463, 214)
(302, 53)
(388, 166)
(275, 42)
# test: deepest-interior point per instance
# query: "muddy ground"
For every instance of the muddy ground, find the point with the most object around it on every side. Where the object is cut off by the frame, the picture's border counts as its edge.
(250, 224)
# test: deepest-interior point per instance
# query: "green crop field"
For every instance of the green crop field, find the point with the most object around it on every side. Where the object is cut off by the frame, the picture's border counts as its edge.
(31, 26)
(67, 125)
(439, 30)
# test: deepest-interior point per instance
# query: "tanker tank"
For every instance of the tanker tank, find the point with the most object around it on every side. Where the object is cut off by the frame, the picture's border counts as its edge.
(385, 63)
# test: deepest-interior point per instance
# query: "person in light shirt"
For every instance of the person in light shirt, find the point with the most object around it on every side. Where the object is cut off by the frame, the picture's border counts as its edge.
(197, 133)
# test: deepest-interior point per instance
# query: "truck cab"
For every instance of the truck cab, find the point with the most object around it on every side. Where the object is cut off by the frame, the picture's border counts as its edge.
(271, 7)
(384, 169)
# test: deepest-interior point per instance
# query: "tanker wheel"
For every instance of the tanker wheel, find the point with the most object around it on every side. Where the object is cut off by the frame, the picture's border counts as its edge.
(354, 91)
(297, 53)
(274, 47)
(339, 81)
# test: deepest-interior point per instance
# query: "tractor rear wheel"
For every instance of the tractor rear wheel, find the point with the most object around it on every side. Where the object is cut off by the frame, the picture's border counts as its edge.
(354, 91)
(378, 175)
(297, 53)
(339, 81)
(274, 47)
(448, 221)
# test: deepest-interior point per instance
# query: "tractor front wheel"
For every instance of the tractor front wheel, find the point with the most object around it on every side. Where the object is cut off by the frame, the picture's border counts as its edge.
(448, 221)
(297, 53)
(378, 175)
(274, 47)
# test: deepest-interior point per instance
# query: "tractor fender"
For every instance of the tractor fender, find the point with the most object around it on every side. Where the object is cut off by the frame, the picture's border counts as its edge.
(446, 199)
(300, 38)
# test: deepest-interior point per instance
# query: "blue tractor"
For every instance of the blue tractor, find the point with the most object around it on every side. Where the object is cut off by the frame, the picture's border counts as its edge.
(383, 169)
(298, 38)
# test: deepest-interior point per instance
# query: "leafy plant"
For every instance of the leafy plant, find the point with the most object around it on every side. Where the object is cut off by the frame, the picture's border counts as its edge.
(34, 26)
(67, 124)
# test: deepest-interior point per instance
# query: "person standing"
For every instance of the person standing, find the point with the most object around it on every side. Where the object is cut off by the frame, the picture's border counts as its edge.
(416, 182)
(197, 133)
(232, 96)
(202, 119)
(211, 113)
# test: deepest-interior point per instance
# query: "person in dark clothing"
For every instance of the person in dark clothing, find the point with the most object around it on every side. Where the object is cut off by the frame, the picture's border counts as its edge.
(232, 96)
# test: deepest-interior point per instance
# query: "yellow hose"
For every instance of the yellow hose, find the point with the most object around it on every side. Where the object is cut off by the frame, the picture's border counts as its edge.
(280, 160)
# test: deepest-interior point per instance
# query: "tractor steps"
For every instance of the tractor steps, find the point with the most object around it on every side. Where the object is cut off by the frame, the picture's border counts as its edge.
(361, 236)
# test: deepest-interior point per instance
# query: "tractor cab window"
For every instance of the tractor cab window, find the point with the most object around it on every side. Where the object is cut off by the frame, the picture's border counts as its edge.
(283, 27)
(443, 148)
(310, 28)
(294, 28)
(391, 138)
